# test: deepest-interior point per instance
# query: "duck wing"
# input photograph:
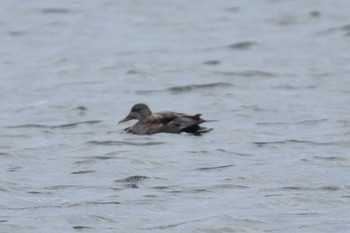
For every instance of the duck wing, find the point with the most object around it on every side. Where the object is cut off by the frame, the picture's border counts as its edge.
(185, 121)
(164, 117)
(180, 122)
(190, 124)
(174, 122)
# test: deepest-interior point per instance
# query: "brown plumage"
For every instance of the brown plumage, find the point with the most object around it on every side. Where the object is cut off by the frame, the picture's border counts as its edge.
(163, 122)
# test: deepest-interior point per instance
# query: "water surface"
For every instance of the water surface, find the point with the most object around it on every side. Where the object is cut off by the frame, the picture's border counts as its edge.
(275, 74)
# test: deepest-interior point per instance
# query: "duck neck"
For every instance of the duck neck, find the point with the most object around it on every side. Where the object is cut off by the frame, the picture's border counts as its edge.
(144, 115)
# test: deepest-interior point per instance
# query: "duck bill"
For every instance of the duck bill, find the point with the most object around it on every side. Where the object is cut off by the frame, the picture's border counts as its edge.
(127, 118)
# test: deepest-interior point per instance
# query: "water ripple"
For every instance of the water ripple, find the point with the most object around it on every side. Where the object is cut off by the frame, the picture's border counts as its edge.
(317, 188)
(64, 205)
(117, 143)
(131, 181)
(305, 122)
(248, 73)
(63, 126)
(292, 141)
(83, 172)
(215, 168)
(345, 29)
(55, 11)
(243, 45)
(135, 178)
(188, 88)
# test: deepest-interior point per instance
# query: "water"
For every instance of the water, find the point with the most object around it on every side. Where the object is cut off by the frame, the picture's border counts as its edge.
(274, 73)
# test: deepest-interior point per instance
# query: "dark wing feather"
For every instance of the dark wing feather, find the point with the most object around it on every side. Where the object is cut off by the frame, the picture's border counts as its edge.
(164, 117)
(175, 122)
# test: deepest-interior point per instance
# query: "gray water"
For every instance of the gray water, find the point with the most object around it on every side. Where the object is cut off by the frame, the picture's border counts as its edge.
(274, 73)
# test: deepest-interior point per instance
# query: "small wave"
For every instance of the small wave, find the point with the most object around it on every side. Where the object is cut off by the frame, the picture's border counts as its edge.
(62, 187)
(135, 178)
(4, 154)
(39, 193)
(165, 226)
(330, 158)
(75, 124)
(81, 110)
(315, 14)
(28, 126)
(101, 203)
(248, 73)
(211, 62)
(92, 159)
(84, 203)
(55, 11)
(293, 87)
(305, 122)
(343, 29)
(343, 143)
(198, 86)
(296, 188)
(116, 143)
(82, 172)
(161, 187)
(292, 141)
(3, 190)
(328, 161)
(198, 190)
(131, 181)
(132, 71)
(330, 188)
(243, 45)
(17, 33)
(215, 168)
(233, 152)
(176, 189)
(320, 188)
(188, 88)
(63, 205)
(80, 227)
(231, 186)
(63, 126)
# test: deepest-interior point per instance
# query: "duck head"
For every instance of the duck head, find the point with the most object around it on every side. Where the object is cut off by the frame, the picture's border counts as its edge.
(138, 112)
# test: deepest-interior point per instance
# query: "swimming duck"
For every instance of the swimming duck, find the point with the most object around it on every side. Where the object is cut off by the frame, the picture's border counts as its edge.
(163, 122)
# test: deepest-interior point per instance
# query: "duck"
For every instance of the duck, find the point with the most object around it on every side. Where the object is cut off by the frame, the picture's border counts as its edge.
(163, 122)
